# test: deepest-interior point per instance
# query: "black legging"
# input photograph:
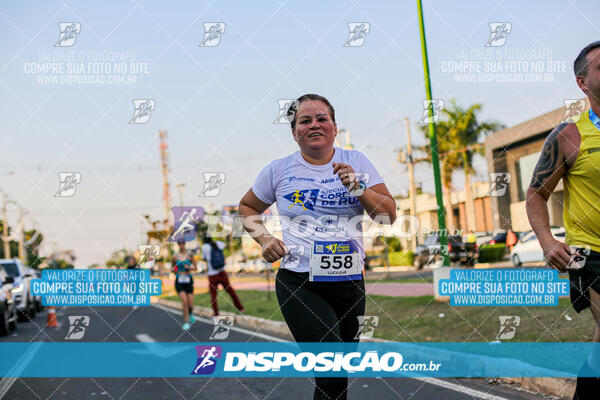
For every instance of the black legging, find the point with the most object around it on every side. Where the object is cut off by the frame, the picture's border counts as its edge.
(321, 312)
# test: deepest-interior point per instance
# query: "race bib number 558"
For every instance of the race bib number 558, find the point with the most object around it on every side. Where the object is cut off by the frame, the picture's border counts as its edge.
(335, 261)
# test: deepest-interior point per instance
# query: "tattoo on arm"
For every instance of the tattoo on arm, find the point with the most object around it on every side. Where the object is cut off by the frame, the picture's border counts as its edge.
(548, 161)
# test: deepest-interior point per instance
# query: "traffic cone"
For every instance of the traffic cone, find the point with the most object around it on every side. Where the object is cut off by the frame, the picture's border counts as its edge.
(51, 321)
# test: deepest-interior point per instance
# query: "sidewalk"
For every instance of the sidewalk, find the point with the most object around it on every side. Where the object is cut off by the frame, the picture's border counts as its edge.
(383, 289)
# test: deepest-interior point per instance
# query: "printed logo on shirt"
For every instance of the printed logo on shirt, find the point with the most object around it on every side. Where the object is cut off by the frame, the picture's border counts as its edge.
(330, 180)
(338, 248)
(593, 150)
(304, 199)
(300, 178)
(337, 197)
(329, 224)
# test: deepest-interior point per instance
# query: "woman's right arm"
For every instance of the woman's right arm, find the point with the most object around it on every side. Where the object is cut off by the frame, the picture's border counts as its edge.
(251, 209)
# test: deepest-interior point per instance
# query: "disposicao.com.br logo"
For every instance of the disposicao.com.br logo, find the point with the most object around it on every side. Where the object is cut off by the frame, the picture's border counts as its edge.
(319, 362)
(298, 363)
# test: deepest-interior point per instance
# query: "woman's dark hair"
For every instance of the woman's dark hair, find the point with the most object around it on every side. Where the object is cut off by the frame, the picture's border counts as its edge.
(293, 109)
(581, 63)
(208, 240)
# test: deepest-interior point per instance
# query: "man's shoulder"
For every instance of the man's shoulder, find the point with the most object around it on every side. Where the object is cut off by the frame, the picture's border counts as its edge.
(565, 129)
(569, 139)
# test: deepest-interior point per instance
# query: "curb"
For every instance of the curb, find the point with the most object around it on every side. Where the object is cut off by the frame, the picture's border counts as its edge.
(563, 387)
(263, 325)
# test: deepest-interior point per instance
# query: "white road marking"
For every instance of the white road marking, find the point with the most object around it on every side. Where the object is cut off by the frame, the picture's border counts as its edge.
(17, 369)
(462, 389)
(233, 328)
(144, 338)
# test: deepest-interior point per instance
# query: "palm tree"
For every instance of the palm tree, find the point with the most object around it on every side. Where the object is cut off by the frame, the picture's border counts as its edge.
(459, 139)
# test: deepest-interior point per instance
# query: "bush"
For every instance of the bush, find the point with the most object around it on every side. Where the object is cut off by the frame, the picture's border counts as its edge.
(401, 258)
(393, 243)
(491, 252)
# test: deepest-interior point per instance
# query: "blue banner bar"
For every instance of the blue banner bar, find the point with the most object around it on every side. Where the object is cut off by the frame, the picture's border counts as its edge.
(390, 359)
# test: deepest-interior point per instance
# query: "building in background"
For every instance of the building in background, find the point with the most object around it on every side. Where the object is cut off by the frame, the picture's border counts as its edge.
(427, 211)
(516, 150)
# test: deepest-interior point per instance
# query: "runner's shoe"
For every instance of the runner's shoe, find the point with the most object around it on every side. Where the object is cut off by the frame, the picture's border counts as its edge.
(186, 326)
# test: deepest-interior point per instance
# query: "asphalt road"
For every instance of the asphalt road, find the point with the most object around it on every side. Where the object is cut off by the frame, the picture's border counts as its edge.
(119, 324)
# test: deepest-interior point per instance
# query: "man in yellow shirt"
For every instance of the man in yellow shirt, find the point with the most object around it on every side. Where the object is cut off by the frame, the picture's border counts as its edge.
(572, 152)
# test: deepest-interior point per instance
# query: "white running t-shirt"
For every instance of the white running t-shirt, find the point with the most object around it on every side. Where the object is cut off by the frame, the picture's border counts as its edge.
(313, 204)
(206, 253)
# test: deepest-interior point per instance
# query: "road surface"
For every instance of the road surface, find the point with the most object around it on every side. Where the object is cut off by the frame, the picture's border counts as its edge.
(155, 323)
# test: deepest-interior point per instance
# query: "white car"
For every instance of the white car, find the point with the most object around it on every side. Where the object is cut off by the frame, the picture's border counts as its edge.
(528, 248)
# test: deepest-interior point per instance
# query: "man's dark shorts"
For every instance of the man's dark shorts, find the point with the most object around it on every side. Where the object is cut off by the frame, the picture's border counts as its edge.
(583, 279)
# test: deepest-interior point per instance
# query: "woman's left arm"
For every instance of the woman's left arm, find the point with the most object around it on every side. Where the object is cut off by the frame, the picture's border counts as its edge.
(377, 200)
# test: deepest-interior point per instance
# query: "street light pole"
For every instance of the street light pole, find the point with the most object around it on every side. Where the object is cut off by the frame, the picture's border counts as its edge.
(433, 138)
(180, 187)
(22, 215)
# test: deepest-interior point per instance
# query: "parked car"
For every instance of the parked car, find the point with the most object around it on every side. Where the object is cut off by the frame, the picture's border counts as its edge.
(21, 290)
(456, 249)
(528, 248)
(8, 309)
(499, 238)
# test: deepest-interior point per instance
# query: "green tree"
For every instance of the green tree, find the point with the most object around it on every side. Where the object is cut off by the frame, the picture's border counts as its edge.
(31, 243)
(460, 136)
(33, 240)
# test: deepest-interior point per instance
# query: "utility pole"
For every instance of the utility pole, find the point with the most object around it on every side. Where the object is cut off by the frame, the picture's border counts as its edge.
(433, 138)
(5, 237)
(22, 214)
(412, 192)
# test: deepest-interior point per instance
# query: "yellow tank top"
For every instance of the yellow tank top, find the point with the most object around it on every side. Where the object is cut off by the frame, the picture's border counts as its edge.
(581, 211)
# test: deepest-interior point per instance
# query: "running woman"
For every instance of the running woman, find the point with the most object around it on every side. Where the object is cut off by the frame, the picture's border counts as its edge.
(132, 263)
(183, 264)
(321, 202)
(212, 252)
(572, 152)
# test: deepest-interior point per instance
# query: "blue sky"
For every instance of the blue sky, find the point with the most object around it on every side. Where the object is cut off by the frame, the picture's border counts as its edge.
(219, 103)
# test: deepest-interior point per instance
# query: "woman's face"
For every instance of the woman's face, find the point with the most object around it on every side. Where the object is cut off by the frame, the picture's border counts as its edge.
(314, 128)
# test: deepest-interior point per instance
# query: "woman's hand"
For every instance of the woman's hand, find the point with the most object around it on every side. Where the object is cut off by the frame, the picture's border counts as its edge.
(272, 248)
(347, 175)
